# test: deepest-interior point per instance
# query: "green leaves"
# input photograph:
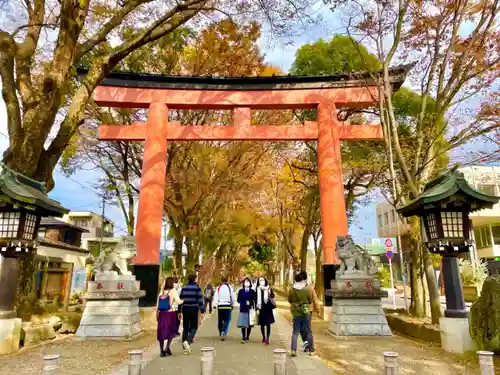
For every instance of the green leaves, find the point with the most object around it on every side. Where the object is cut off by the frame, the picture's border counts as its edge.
(342, 54)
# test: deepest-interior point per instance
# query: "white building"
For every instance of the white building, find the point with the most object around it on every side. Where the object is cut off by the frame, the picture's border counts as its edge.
(92, 222)
(486, 223)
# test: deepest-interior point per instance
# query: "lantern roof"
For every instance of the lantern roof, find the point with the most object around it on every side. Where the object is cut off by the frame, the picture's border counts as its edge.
(27, 193)
(449, 187)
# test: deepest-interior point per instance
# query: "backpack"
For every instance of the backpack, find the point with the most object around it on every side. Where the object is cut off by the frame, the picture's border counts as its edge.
(208, 293)
(303, 306)
(230, 293)
(164, 303)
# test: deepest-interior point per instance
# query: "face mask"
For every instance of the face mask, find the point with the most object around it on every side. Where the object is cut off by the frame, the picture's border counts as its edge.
(176, 285)
(247, 284)
(262, 283)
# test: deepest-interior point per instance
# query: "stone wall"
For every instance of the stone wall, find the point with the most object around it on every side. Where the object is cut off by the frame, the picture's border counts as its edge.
(425, 332)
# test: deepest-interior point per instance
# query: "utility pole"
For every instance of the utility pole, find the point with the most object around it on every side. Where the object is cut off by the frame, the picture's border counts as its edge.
(102, 224)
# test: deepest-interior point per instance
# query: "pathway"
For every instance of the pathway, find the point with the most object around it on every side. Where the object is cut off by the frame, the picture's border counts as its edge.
(232, 357)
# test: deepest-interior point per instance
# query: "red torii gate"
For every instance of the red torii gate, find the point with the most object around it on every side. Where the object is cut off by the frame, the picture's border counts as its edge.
(242, 95)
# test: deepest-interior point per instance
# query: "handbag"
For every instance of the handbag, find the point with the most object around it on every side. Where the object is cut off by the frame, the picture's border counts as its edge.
(252, 317)
(272, 300)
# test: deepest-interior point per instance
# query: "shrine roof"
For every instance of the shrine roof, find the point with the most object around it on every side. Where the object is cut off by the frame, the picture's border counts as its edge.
(23, 191)
(442, 189)
(288, 82)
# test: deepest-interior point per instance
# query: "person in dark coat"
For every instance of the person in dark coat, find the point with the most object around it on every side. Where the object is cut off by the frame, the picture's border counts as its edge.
(246, 300)
(265, 305)
(209, 297)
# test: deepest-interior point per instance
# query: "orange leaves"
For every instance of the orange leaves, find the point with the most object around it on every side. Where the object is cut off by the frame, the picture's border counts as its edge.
(225, 48)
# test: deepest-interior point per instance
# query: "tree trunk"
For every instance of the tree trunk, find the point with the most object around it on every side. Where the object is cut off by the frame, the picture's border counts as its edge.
(318, 285)
(303, 246)
(177, 255)
(417, 290)
(434, 295)
(26, 292)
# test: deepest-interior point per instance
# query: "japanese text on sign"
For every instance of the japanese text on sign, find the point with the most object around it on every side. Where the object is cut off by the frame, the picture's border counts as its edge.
(120, 286)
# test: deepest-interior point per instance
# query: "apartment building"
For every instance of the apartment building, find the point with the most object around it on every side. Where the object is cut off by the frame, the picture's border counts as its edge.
(486, 223)
(93, 223)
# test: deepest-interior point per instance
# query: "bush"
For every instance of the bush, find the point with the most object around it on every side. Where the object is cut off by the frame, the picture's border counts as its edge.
(384, 275)
(484, 317)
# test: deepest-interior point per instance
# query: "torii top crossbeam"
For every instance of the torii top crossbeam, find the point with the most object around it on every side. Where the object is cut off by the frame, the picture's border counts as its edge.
(242, 95)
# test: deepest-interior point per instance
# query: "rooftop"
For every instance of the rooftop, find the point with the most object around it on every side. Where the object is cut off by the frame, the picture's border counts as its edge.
(87, 214)
(61, 245)
(288, 82)
(56, 223)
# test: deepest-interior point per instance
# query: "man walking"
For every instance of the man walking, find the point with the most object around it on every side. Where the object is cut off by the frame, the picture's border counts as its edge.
(224, 301)
(192, 311)
(301, 298)
(314, 297)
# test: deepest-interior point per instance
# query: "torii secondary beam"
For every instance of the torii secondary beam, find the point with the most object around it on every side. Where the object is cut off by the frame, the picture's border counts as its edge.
(177, 132)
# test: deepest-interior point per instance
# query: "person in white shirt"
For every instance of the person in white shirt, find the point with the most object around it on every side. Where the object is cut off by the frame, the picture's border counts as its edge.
(224, 301)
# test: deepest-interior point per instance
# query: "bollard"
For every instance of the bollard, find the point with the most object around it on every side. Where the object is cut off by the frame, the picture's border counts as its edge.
(135, 362)
(207, 360)
(279, 361)
(391, 365)
(486, 362)
(50, 363)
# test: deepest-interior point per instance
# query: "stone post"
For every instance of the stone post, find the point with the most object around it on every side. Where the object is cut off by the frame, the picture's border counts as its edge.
(486, 363)
(391, 365)
(50, 363)
(135, 362)
(207, 360)
(279, 361)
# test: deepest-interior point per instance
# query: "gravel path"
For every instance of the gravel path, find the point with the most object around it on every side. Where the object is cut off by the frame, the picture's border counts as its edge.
(363, 355)
(78, 356)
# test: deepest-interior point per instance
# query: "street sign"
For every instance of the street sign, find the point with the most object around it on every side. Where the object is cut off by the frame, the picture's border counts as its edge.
(389, 254)
(388, 242)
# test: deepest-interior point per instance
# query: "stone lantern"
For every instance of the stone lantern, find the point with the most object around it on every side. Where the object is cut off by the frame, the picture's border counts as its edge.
(23, 203)
(444, 208)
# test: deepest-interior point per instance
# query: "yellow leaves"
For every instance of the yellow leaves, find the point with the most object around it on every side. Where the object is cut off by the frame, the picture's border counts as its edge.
(270, 70)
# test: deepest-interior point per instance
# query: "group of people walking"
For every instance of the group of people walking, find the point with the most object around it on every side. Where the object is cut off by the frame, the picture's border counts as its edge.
(256, 305)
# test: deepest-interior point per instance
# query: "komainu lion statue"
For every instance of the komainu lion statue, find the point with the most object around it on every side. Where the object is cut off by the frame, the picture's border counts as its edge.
(353, 258)
(117, 257)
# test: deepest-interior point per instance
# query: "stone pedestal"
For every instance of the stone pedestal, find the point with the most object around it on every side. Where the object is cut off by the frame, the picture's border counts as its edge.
(112, 307)
(455, 336)
(10, 335)
(357, 306)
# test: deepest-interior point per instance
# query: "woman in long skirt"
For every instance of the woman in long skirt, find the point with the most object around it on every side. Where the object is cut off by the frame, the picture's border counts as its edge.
(265, 305)
(167, 316)
(246, 299)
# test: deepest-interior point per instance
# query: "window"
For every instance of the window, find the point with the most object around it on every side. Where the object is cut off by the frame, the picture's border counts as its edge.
(496, 234)
(393, 212)
(81, 222)
(482, 237)
(452, 224)
(9, 224)
(29, 226)
(386, 218)
(431, 224)
(41, 234)
(380, 222)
